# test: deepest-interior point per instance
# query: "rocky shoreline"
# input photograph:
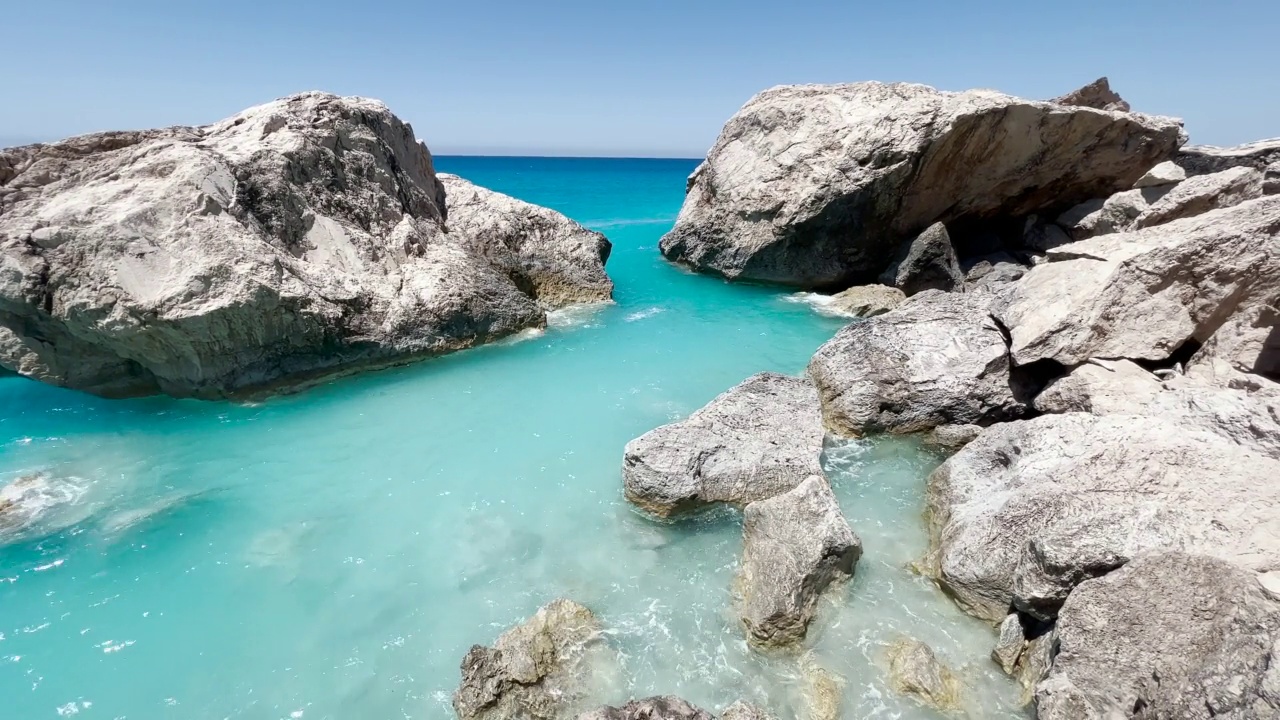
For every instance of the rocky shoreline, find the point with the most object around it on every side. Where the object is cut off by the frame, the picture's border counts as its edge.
(1082, 311)
(296, 241)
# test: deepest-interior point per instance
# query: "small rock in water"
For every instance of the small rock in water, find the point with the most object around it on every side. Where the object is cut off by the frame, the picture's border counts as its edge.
(540, 669)
(796, 545)
(823, 689)
(745, 711)
(664, 707)
(915, 670)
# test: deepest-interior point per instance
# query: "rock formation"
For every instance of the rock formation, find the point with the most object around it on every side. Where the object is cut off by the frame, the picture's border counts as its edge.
(297, 240)
(865, 301)
(1168, 636)
(795, 545)
(1097, 94)
(1205, 159)
(818, 185)
(926, 263)
(667, 707)
(915, 670)
(759, 439)
(937, 359)
(538, 670)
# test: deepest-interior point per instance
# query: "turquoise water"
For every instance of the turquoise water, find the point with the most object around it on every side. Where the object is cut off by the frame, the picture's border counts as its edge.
(333, 554)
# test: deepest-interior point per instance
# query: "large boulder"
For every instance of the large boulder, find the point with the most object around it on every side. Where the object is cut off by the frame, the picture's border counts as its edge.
(1205, 159)
(1168, 636)
(1143, 295)
(296, 240)
(926, 263)
(759, 439)
(1097, 94)
(546, 254)
(818, 185)
(937, 359)
(1030, 509)
(795, 546)
(538, 670)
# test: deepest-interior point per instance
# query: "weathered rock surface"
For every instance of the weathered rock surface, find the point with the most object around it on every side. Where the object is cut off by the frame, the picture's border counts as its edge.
(759, 439)
(795, 546)
(1247, 344)
(1102, 387)
(1117, 213)
(993, 270)
(817, 186)
(546, 254)
(1167, 636)
(1201, 194)
(539, 670)
(915, 670)
(823, 690)
(867, 300)
(952, 437)
(926, 263)
(1010, 643)
(1030, 509)
(1205, 159)
(1142, 295)
(938, 359)
(665, 707)
(1271, 179)
(745, 711)
(1042, 235)
(1166, 173)
(1026, 659)
(1097, 94)
(298, 239)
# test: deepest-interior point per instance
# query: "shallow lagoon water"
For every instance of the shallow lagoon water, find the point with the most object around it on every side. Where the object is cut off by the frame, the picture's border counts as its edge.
(333, 554)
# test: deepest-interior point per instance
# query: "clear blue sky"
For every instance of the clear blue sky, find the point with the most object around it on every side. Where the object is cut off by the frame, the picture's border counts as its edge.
(656, 77)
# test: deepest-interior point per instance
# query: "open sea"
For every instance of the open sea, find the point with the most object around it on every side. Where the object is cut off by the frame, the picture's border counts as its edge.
(332, 555)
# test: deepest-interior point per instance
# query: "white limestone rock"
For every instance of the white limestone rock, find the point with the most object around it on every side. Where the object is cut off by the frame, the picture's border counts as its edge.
(1166, 173)
(1201, 194)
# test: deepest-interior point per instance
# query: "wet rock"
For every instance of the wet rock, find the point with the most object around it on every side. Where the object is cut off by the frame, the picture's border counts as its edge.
(665, 707)
(301, 239)
(867, 300)
(28, 500)
(759, 439)
(915, 670)
(819, 185)
(1010, 644)
(1142, 295)
(745, 711)
(823, 690)
(1168, 636)
(796, 545)
(1097, 94)
(1102, 387)
(952, 437)
(937, 359)
(1030, 509)
(1206, 159)
(926, 263)
(1201, 194)
(1166, 173)
(545, 253)
(538, 670)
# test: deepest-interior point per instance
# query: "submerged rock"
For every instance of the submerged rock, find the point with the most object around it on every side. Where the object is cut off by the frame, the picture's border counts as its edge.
(867, 300)
(795, 546)
(926, 263)
(937, 359)
(818, 185)
(823, 690)
(28, 500)
(1030, 509)
(1097, 94)
(745, 711)
(538, 670)
(665, 707)
(759, 439)
(1142, 295)
(299, 239)
(1168, 636)
(915, 670)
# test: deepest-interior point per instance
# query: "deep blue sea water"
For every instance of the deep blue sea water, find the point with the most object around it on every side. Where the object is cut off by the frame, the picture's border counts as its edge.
(333, 554)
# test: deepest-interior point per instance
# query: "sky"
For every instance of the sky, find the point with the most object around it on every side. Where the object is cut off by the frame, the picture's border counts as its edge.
(615, 77)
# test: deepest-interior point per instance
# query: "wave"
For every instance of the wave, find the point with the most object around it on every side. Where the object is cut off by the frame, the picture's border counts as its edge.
(624, 222)
(586, 315)
(642, 314)
(823, 304)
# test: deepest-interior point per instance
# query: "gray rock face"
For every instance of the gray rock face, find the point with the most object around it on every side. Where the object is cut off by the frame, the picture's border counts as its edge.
(759, 439)
(1247, 344)
(795, 546)
(952, 437)
(994, 270)
(1141, 295)
(1201, 194)
(666, 707)
(926, 263)
(1030, 509)
(1010, 644)
(1271, 179)
(1166, 173)
(867, 300)
(1205, 159)
(1027, 659)
(545, 254)
(915, 670)
(1102, 387)
(816, 186)
(538, 670)
(299, 239)
(1167, 636)
(1097, 94)
(938, 359)
(1117, 213)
